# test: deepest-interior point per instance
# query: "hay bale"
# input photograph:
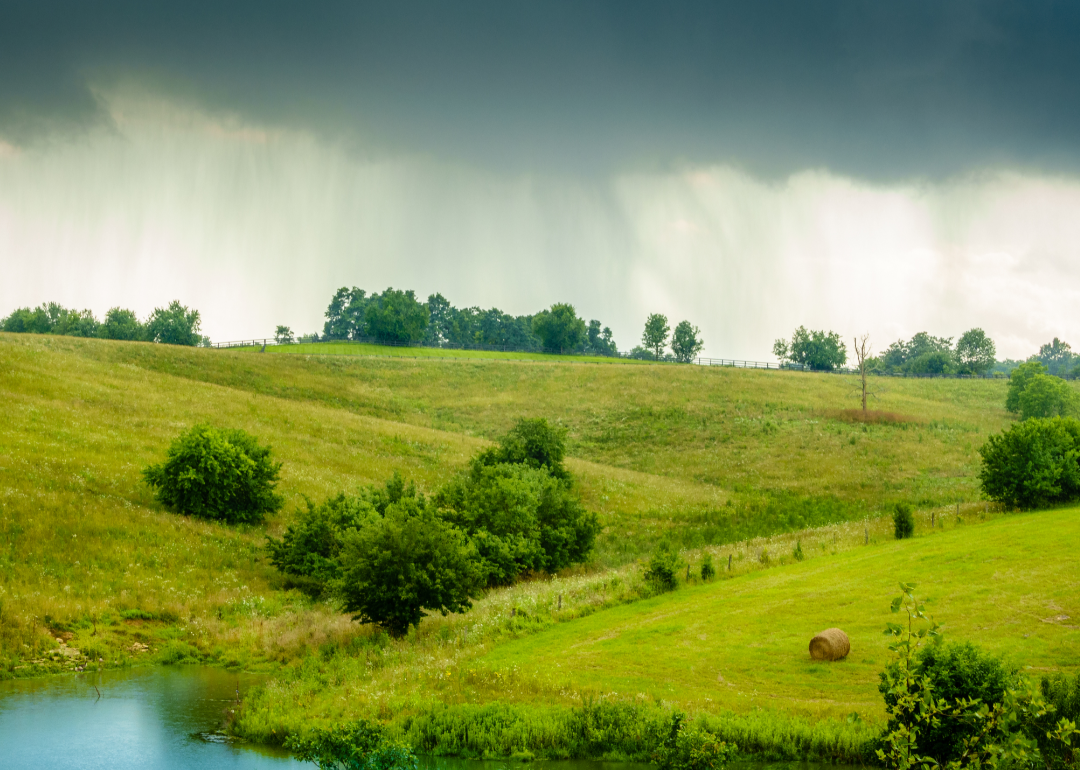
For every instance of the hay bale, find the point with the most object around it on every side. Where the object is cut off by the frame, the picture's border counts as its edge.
(830, 644)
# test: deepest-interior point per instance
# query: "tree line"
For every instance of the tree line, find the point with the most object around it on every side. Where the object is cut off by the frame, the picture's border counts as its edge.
(172, 325)
(397, 316)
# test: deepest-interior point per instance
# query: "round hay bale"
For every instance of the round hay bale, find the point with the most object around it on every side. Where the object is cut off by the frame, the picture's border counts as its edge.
(830, 644)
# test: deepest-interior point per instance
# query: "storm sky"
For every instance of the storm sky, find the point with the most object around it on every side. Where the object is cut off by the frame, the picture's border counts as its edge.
(858, 166)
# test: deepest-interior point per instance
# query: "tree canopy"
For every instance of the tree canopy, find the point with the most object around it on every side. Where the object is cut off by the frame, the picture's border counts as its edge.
(685, 342)
(654, 337)
(174, 325)
(975, 352)
(817, 350)
(559, 328)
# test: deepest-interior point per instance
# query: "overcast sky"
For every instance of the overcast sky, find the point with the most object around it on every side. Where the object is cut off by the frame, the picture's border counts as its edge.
(857, 166)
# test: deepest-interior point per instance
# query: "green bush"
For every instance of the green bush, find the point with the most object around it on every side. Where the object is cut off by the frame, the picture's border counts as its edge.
(217, 474)
(1063, 694)
(953, 671)
(903, 521)
(663, 570)
(708, 571)
(1033, 463)
(359, 746)
(692, 747)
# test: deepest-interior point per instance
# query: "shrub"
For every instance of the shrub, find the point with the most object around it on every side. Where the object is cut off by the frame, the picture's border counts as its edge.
(1063, 694)
(693, 748)
(532, 442)
(708, 571)
(217, 474)
(953, 672)
(1033, 463)
(358, 746)
(797, 552)
(903, 521)
(663, 570)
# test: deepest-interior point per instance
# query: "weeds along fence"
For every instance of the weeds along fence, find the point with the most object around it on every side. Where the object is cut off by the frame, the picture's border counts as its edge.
(351, 348)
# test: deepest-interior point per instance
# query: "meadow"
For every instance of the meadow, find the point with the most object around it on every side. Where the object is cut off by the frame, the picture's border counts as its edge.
(732, 461)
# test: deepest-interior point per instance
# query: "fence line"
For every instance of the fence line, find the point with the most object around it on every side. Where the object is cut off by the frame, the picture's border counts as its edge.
(728, 362)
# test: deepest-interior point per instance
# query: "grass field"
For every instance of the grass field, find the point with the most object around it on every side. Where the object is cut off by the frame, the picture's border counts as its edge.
(390, 351)
(731, 460)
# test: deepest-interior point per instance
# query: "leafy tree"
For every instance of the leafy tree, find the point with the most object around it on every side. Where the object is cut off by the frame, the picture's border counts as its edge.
(72, 323)
(51, 318)
(217, 474)
(174, 325)
(283, 335)
(396, 316)
(600, 341)
(975, 352)
(685, 343)
(1056, 356)
(1019, 379)
(406, 563)
(903, 521)
(121, 324)
(1047, 396)
(1033, 463)
(309, 551)
(922, 354)
(345, 315)
(817, 350)
(642, 354)
(440, 317)
(559, 329)
(655, 336)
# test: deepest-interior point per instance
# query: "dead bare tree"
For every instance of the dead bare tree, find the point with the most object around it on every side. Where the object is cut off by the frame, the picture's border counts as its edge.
(862, 352)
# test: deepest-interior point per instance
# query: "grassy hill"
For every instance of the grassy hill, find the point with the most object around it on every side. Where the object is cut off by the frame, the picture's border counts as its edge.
(704, 457)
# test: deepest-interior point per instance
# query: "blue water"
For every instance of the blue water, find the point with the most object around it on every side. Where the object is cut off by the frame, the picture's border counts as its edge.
(151, 719)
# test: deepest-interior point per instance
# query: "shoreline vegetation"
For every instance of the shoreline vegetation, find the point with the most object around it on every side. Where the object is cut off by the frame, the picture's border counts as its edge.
(769, 472)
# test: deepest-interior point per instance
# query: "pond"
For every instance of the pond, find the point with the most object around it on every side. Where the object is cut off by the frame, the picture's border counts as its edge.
(167, 718)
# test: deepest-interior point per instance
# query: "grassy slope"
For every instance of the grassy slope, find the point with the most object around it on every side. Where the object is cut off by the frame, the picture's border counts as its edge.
(1008, 584)
(388, 351)
(656, 448)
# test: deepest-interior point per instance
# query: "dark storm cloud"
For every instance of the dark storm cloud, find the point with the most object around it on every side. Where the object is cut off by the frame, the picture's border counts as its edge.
(879, 90)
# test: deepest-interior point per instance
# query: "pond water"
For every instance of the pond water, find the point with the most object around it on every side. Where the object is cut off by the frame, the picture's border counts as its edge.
(167, 718)
(150, 718)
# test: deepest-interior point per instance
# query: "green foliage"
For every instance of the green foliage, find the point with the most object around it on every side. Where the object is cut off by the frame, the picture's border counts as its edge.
(975, 352)
(692, 747)
(174, 325)
(931, 363)
(121, 324)
(345, 315)
(903, 521)
(685, 342)
(283, 335)
(797, 552)
(395, 316)
(955, 706)
(357, 746)
(217, 474)
(600, 342)
(51, 318)
(559, 329)
(953, 671)
(1047, 396)
(1019, 379)
(309, 550)
(449, 325)
(655, 336)
(922, 354)
(1057, 357)
(533, 442)
(708, 571)
(817, 350)
(404, 563)
(1063, 695)
(662, 572)
(1033, 463)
